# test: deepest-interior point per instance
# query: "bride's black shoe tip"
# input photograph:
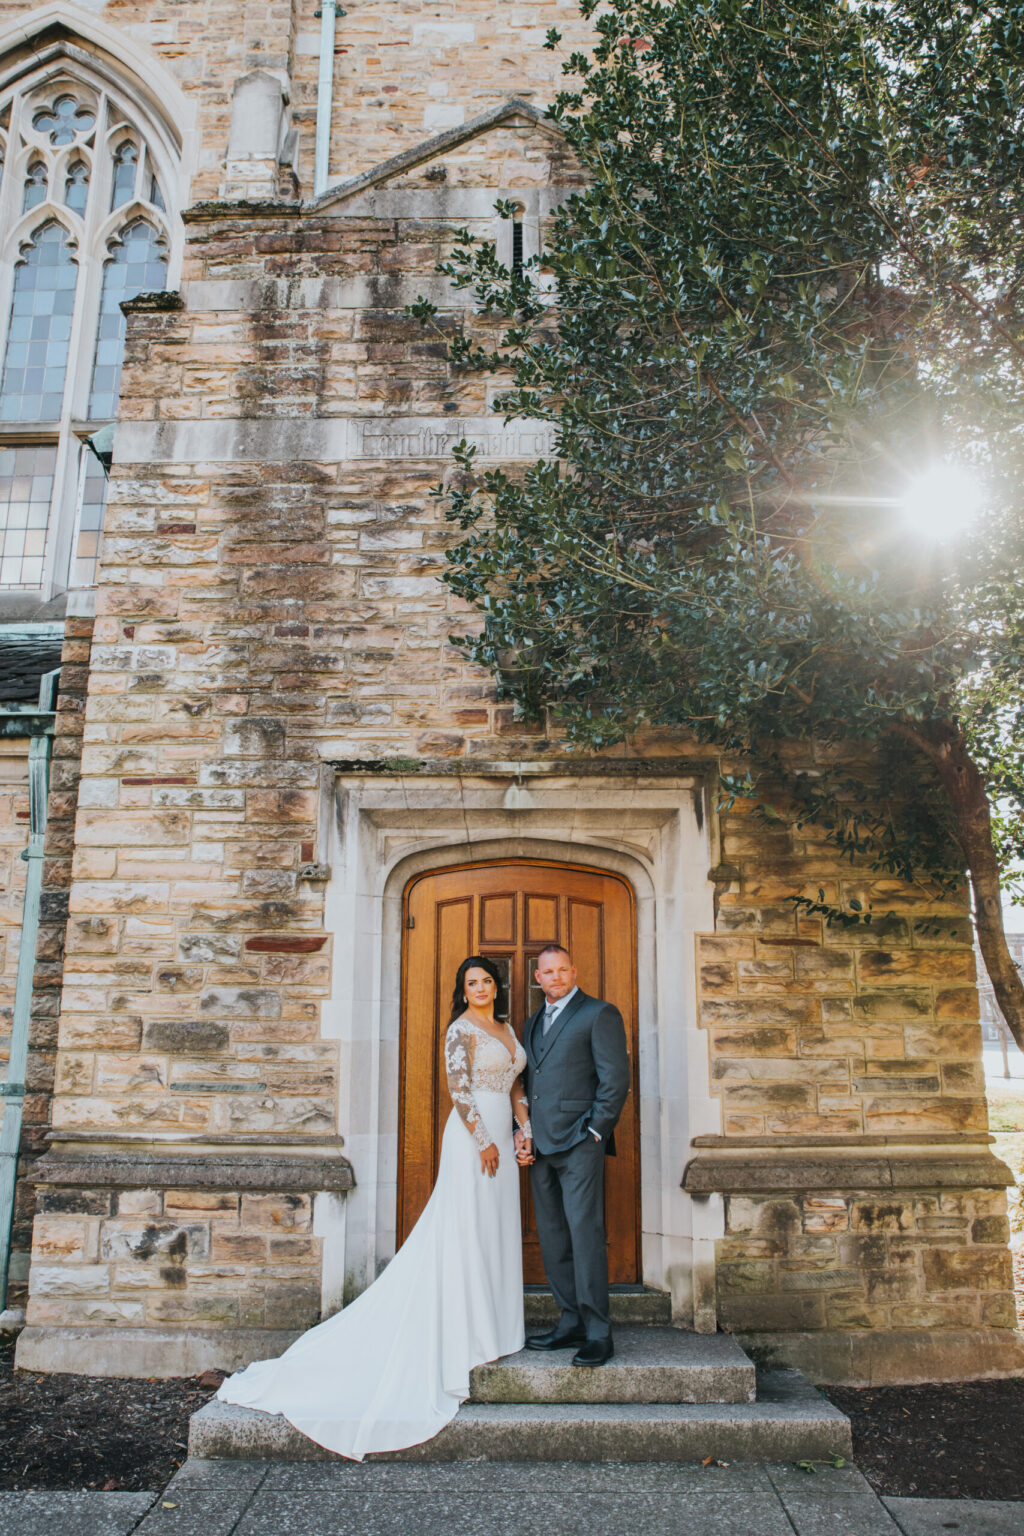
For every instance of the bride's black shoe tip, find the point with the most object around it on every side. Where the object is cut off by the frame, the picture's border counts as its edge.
(557, 1339)
(594, 1352)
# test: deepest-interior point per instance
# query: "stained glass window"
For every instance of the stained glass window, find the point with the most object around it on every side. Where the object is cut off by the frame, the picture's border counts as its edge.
(40, 329)
(26, 485)
(35, 186)
(138, 264)
(64, 121)
(76, 186)
(64, 278)
(125, 163)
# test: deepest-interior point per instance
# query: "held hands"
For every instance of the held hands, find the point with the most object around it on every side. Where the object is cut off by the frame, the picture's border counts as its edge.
(524, 1149)
(489, 1160)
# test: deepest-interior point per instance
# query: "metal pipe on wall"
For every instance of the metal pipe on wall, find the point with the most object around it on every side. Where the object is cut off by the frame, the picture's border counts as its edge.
(12, 1091)
(328, 13)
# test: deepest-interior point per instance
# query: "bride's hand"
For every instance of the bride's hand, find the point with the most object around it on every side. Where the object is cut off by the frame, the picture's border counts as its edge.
(489, 1160)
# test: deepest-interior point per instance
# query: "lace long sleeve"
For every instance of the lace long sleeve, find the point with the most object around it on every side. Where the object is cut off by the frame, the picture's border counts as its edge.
(459, 1045)
(521, 1107)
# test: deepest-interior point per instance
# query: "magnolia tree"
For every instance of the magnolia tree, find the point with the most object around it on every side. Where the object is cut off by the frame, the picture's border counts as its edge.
(787, 308)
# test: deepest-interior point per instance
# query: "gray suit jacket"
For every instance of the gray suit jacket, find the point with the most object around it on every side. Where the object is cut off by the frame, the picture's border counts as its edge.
(577, 1075)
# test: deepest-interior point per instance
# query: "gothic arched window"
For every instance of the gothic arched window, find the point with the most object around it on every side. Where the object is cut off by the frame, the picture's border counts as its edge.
(39, 329)
(87, 220)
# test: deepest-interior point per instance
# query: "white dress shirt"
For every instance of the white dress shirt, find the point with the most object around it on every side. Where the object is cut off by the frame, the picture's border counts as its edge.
(556, 1007)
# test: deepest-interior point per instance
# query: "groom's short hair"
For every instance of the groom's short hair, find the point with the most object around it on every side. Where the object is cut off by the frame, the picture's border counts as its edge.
(553, 949)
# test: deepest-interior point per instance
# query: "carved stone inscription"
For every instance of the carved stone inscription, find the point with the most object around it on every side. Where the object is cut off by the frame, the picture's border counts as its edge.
(432, 437)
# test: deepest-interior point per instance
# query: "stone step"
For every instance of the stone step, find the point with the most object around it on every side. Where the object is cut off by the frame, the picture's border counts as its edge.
(628, 1306)
(650, 1365)
(790, 1421)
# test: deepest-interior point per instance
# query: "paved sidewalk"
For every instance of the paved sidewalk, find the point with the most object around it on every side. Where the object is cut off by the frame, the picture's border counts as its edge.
(487, 1498)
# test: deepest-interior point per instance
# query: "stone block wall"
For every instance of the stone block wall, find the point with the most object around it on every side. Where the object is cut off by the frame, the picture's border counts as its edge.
(402, 72)
(53, 904)
(866, 1260)
(257, 601)
(268, 609)
(172, 1258)
(860, 1192)
(816, 1030)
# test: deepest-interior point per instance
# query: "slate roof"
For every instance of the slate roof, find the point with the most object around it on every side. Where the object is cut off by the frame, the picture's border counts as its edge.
(27, 652)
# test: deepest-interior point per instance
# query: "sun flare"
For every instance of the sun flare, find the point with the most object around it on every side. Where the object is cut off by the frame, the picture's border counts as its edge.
(941, 503)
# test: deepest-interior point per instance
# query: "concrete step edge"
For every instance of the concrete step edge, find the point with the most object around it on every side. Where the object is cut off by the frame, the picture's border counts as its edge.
(650, 1365)
(789, 1421)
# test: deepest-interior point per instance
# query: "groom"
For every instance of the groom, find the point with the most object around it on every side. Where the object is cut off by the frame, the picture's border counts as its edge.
(577, 1082)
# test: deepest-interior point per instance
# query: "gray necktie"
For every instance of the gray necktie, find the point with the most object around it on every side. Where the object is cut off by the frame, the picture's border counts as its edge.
(549, 1016)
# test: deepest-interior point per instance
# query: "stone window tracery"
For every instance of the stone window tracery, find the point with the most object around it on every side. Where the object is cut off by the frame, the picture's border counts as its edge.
(39, 329)
(87, 220)
(35, 186)
(137, 264)
(126, 164)
(76, 186)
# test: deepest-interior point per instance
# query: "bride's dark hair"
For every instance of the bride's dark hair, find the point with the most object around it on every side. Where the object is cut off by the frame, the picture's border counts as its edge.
(459, 996)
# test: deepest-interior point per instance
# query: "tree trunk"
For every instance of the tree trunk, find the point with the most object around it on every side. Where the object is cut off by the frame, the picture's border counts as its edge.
(966, 789)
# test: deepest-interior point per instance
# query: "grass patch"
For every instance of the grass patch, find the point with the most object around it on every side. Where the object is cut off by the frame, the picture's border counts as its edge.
(1005, 1104)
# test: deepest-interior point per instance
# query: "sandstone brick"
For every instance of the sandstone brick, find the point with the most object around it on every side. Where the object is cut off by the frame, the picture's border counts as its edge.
(881, 1216)
(780, 1043)
(998, 1311)
(280, 1211)
(771, 1314)
(153, 1239)
(974, 1269)
(825, 1213)
(990, 1229)
(292, 1306)
(846, 1312)
(59, 1237)
(898, 967)
(819, 1280)
(139, 1202)
(187, 1202)
(252, 612)
(194, 1310)
(69, 1280)
(238, 1247)
(752, 1275)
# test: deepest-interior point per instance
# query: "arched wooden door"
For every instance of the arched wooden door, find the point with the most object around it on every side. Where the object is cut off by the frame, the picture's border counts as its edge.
(508, 911)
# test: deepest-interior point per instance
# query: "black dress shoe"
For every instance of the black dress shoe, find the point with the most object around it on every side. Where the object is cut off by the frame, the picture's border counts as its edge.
(558, 1338)
(594, 1352)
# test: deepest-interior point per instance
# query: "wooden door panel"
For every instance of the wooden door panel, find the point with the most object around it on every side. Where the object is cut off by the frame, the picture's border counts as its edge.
(541, 920)
(508, 911)
(586, 939)
(497, 919)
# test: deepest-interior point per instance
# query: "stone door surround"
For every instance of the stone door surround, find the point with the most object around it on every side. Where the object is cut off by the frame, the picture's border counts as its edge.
(656, 831)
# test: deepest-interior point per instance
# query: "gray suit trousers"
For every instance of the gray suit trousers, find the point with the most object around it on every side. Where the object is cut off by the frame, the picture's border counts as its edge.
(568, 1199)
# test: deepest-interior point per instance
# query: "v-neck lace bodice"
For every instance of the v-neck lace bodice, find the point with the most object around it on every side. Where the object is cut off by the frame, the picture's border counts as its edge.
(477, 1062)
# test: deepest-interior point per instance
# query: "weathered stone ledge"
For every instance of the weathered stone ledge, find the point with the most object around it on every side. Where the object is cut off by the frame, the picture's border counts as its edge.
(740, 1173)
(151, 1352)
(137, 1170)
(869, 1139)
(198, 1143)
(891, 1356)
(540, 767)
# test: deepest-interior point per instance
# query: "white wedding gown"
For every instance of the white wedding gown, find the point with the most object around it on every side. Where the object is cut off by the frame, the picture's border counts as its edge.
(392, 1368)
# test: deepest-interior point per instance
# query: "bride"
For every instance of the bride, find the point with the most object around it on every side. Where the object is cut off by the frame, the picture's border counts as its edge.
(392, 1368)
